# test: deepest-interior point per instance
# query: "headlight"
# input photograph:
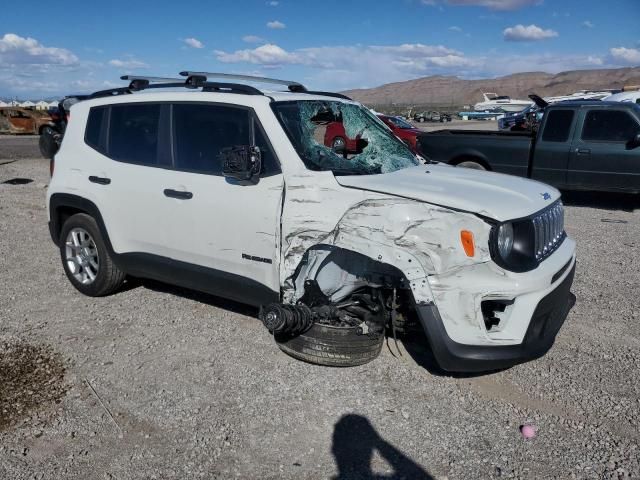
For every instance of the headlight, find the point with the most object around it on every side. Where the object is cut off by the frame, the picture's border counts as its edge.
(505, 240)
(520, 245)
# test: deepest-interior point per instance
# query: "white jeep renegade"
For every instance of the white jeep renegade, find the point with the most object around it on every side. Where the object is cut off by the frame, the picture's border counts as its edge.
(246, 194)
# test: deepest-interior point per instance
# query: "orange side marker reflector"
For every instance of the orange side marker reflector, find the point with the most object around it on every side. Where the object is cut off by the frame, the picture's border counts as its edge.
(469, 246)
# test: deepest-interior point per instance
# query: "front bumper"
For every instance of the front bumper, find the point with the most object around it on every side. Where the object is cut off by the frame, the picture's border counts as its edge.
(545, 323)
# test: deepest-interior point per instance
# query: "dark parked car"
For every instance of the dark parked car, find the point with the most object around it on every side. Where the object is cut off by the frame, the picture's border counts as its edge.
(587, 145)
(432, 116)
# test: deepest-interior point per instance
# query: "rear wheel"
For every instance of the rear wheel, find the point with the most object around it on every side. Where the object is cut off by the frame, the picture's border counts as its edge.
(85, 258)
(471, 164)
(332, 346)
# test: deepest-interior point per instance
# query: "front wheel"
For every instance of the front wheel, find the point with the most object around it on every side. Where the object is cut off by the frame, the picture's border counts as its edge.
(331, 346)
(85, 258)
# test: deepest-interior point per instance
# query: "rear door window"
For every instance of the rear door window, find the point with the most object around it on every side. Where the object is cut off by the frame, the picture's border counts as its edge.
(609, 126)
(133, 133)
(558, 126)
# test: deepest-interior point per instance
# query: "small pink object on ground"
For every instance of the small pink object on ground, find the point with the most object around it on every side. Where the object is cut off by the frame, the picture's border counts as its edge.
(528, 431)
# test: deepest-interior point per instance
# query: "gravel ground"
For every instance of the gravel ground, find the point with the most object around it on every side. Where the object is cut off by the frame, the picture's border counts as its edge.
(158, 382)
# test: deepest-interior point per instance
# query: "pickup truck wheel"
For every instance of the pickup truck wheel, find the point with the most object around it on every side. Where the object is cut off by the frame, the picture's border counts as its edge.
(85, 258)
(471, 164)
(338, 144)
(331, 346)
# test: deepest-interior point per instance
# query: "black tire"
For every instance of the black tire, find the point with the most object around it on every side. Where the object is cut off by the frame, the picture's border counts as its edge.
(108, 277)
(47, 143)
(331, 346)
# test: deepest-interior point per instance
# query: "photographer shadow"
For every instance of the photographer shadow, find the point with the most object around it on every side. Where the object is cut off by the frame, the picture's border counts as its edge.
(354, 442)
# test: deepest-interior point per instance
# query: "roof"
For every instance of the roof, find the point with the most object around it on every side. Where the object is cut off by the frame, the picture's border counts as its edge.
(587, 103)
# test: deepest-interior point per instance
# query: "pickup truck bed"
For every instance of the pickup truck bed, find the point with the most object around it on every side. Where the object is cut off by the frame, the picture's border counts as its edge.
(504, 152)
(587, 145)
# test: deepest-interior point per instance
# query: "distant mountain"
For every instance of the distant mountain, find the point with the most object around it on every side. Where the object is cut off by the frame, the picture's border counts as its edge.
(454, 91)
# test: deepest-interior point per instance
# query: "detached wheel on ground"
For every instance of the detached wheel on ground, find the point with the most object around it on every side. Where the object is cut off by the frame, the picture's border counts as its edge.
(331, 346)
(85, 258)
(471, 164)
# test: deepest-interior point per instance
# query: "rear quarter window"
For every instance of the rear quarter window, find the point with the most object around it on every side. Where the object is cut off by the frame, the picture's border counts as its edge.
(94, 135)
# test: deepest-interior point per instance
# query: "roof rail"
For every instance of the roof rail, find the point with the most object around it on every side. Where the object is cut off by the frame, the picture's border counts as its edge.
(139, 82)
(291, 85)
(200, 80)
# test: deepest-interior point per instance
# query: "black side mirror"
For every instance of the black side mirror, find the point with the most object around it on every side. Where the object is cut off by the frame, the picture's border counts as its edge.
(634, 142)
(242, 162)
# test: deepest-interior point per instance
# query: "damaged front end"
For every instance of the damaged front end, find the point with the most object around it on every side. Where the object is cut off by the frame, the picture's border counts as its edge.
(364, 250)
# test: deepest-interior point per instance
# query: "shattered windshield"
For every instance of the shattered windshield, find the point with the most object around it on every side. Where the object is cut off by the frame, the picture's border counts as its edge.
(341, 137)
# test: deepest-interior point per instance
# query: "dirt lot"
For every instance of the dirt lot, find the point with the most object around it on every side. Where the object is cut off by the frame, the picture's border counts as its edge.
(158, 382)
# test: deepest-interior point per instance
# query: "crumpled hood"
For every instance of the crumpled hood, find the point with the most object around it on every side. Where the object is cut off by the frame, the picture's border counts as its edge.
(494, 195)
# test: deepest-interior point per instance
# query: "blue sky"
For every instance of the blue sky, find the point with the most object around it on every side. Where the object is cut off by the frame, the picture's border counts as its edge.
(46, 50)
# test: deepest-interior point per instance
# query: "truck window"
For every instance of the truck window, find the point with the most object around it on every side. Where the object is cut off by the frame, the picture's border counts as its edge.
(558, 126)
(609, 126)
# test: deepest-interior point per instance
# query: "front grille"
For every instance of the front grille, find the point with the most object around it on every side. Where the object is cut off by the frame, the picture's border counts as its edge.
(548, 226)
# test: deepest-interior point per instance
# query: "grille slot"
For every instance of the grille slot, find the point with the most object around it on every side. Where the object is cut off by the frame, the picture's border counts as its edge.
(548, 226)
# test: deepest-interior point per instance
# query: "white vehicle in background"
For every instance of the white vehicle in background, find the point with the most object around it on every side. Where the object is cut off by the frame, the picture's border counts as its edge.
(230, 190)
(633, 97)
(504, 103)
(580, 95)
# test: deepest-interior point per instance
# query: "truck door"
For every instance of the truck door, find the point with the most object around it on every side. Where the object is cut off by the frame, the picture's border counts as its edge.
(552, 147)
(602, 155)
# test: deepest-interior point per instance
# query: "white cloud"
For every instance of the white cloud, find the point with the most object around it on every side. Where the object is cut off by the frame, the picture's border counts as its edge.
(588, 24)
(129, 63)
(273, 3)
(394, 60)
(530, 33)
(496, 4)
(252, 39)
(193, 42)
(276, 24)
(455, 28)
(17, 50)
(627, 55)
(268, 54)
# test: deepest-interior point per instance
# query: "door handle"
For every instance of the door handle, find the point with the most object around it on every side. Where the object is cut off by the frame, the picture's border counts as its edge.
(583, 151)
(181, 195)
(99, 180)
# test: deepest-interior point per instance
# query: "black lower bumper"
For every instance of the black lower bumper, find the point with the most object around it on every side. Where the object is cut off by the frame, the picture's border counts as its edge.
(545, 324)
